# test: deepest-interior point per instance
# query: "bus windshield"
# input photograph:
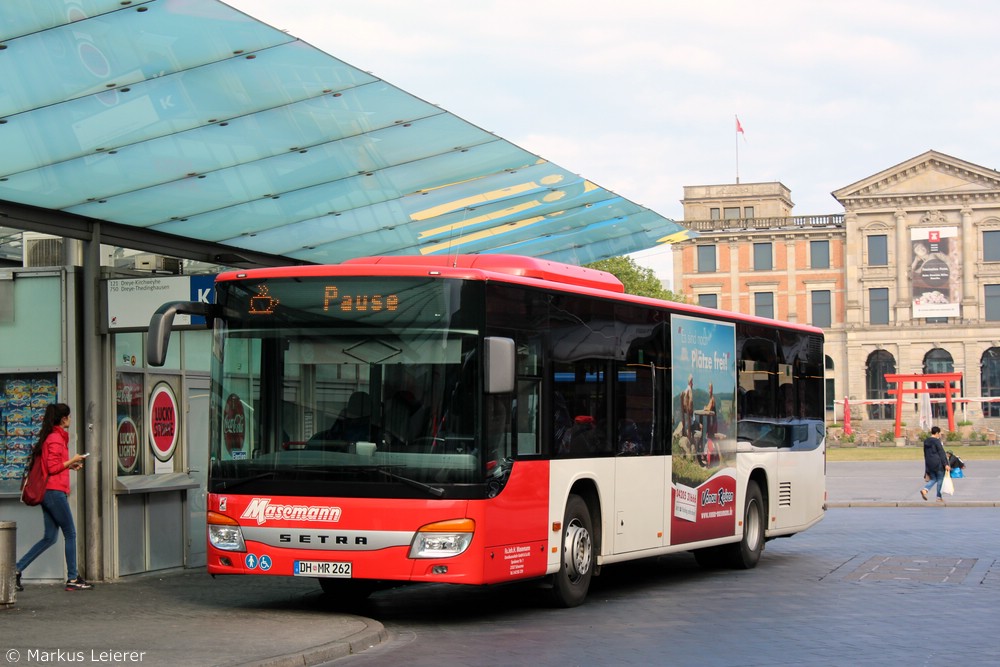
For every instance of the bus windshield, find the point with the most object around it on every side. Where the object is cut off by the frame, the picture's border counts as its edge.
(362, 388)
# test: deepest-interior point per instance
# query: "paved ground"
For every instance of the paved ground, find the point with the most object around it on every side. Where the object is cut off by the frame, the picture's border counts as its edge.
(182, 619)
(188, 618)
(870, 586)
(898, 483)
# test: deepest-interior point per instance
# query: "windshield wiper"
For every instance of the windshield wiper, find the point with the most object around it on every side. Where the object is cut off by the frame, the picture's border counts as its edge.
(435, 491)
(240, 482)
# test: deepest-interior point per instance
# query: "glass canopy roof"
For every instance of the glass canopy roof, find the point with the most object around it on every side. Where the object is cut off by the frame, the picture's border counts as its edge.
(191, 119)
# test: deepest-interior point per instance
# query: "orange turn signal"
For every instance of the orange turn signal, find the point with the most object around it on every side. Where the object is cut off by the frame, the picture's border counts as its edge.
(450, 526)
(217, 519)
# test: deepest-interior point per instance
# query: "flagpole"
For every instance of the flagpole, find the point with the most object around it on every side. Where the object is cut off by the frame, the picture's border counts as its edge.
(736, 136)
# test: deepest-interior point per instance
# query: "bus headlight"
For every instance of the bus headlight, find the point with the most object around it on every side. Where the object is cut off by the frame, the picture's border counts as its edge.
(443, 539)
(224, 533)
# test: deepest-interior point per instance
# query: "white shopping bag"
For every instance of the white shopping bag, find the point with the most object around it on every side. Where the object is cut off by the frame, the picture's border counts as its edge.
(948, 486)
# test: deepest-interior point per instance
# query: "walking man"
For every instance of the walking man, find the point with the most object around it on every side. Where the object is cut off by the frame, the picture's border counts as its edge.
(935, 463)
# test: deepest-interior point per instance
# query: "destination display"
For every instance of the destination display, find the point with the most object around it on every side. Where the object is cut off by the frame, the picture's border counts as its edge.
(317, 300)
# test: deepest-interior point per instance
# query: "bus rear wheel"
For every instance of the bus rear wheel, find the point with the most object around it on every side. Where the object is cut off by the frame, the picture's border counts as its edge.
(576, 568)
(745, 554)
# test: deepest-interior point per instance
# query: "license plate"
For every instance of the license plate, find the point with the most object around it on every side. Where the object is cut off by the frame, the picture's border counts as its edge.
(322, 568)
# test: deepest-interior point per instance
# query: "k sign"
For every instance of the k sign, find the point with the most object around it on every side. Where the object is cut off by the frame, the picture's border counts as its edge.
(132, 301)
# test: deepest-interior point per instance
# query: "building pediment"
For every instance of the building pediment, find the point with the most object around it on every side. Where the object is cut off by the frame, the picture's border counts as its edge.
(925, 178)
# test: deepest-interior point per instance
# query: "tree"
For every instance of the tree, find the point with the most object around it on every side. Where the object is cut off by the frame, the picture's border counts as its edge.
(637, 280)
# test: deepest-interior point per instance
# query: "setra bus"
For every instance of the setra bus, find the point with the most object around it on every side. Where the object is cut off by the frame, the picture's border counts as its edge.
(484, 419)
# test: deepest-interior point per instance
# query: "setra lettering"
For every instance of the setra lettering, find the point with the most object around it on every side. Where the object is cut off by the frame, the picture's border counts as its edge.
(304, 538)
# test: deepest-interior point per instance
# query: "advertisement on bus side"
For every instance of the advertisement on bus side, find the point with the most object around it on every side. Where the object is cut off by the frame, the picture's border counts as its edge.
(704, 440)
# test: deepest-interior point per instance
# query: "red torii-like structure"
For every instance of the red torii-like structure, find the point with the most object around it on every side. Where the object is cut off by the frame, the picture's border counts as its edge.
(920, 381)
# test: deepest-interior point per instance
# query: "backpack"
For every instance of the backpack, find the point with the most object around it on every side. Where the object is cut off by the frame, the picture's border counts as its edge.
(34, 482)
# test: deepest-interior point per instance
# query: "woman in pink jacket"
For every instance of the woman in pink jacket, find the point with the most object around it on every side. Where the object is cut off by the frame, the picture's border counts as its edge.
(52, 451)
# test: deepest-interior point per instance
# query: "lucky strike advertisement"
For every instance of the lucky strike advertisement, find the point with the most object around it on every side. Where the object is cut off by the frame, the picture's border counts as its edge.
(128, 433)
(704, 441)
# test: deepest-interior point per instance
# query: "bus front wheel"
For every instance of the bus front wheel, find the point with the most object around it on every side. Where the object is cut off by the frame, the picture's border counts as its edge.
(577, 559)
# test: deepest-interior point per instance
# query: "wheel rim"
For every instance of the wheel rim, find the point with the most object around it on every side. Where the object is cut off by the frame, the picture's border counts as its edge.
(577, 551)
(753, 525)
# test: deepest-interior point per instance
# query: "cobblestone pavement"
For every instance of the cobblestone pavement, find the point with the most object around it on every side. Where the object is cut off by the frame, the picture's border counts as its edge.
(884, 579)
(879, 586)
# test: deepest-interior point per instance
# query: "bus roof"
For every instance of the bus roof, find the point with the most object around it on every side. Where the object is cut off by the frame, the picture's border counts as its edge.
(508, 265)
(505, 268)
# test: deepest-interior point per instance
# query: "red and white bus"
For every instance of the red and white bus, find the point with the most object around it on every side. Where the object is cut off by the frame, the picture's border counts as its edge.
(485, 419)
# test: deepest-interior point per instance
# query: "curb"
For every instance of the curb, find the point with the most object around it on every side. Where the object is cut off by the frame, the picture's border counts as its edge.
(373, 634)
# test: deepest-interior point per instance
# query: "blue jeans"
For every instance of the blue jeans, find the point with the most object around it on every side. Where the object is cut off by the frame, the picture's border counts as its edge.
(55, 508)
(936, 478)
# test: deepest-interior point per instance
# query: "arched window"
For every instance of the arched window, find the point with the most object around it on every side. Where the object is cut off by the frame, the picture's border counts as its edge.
(879, 363)
(938, 361)
(831, 388)
(989, 380)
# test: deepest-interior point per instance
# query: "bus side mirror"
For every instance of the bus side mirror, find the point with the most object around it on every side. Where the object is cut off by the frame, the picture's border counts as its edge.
(500, 363)
(162, 322)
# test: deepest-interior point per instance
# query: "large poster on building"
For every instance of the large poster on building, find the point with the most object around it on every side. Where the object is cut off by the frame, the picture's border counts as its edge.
(704, 441)
(935, 272)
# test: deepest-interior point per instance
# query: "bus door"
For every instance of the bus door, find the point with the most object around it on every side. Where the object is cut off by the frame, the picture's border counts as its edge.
(640, 477)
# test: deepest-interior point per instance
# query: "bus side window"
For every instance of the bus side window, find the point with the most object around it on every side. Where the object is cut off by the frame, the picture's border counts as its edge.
(635, 409)
(584, 439)
(562, 424)
(630, 439)
(526, 418)
(498, 417)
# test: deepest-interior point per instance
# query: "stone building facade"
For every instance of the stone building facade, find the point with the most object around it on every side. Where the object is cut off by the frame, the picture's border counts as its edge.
(905, 280)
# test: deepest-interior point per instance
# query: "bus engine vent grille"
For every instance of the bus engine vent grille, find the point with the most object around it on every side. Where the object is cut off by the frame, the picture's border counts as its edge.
(815, 344)
(784, 494)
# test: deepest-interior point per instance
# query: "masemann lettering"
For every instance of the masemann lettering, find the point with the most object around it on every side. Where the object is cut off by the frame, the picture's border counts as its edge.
(261, 510)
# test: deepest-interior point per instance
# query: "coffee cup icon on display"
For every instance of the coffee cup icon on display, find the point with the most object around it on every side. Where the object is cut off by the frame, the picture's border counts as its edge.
(263, 303)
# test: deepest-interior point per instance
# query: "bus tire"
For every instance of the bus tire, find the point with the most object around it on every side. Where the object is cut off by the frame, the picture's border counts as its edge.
(745, 553)
(742, 555)
(576, 568)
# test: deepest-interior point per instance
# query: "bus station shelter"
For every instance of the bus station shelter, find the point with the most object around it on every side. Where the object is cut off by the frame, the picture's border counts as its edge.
(192, 128)
(187, 130)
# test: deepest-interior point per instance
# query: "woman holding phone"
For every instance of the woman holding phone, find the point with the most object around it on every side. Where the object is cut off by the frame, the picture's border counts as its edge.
(52, 451)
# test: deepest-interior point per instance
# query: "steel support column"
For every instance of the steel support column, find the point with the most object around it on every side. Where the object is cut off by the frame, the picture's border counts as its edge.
(94, 398)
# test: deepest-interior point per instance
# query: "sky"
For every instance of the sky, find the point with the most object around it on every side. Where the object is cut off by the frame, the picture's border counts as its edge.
(641, 96)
